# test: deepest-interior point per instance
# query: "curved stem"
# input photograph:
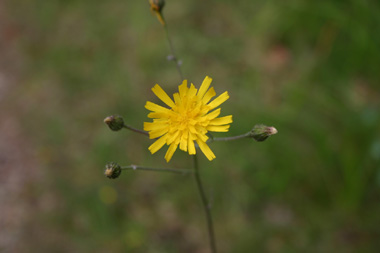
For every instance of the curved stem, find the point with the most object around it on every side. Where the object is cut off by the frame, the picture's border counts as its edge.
(174, 57)
(136, 130)
(136, 167)
(231, 138)
(206, 205)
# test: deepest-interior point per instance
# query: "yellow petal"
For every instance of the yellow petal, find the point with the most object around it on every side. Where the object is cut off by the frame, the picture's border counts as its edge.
(203, 110)
(169, 154)
(183, 89)
(157, 144)
(177, 99)
(206, 150)
(221, 121)
(209, 94)
(155, 108)
(161, 121)
(172, 137)
(161, 94)
(212, 115)
(190, 145)
(200, 129)
(192, 91)
(219, 100)
(202, 137)
(157, 133)
(218, 128)
(192, 129)
(149, 126)
(158, 115)
(183, 142)
(204, 87)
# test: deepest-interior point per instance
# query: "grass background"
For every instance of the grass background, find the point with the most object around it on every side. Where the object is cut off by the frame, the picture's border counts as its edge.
(311, 69)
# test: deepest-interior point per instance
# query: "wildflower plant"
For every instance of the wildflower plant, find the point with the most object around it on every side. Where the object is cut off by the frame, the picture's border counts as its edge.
(185, 122)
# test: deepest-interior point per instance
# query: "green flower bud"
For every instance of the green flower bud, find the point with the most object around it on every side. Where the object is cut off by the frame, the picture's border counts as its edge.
(262, 132)
(114, 122)
(113, 170)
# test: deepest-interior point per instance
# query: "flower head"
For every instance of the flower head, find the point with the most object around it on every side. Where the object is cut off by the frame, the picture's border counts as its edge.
(113, 170)
(262, 132)
(114, 122)
(190, 116)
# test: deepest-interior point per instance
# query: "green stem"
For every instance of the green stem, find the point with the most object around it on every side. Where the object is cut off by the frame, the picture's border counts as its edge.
(175, 59)
(231, 138)
(206, 206)
(136, 167)
(136, 130)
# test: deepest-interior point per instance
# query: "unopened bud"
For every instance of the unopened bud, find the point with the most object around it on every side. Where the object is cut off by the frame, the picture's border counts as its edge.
(156, 6)
(113, 170)
(262, 132)
(114, 122)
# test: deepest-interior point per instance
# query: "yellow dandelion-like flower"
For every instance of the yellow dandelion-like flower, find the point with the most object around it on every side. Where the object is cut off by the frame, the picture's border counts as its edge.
(190, 117)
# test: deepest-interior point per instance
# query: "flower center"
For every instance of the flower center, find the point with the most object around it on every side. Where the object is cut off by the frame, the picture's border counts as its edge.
(186, 115)
(183, 119)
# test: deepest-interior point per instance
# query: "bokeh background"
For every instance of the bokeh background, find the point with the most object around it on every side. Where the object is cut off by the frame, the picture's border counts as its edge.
(309, 68)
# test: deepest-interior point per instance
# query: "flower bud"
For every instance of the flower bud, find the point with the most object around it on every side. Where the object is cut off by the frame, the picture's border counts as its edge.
(114, 122)
(113, 170)
(156, 6)
(262, 132)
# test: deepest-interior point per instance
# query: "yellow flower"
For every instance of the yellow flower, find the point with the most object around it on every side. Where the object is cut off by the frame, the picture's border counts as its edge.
(190, 117)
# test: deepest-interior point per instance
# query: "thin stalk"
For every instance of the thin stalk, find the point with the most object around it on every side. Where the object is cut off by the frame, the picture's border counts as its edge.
(136, 130)
(178, 171)
(173, 54)
(231, 138)
(206, 205)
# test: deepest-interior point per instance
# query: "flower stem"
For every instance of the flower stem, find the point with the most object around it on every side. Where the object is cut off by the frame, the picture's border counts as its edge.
(136, 130)
(136, 167)
(206, 205)
(173, 54)
(231, 138)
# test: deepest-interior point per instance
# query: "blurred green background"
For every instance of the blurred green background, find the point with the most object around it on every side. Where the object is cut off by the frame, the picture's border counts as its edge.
(309, 68)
